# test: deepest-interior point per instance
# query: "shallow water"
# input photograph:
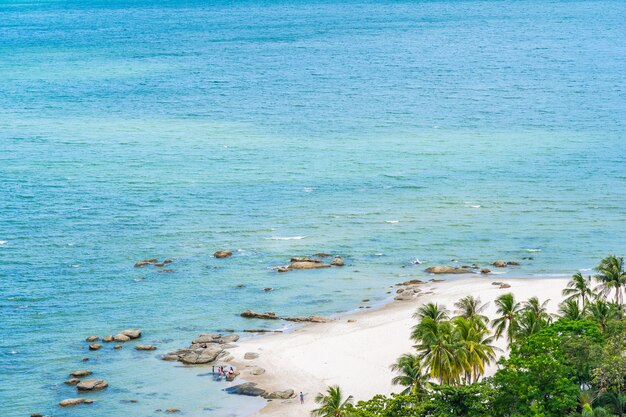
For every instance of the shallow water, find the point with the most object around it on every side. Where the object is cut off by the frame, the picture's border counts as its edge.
(385, 132)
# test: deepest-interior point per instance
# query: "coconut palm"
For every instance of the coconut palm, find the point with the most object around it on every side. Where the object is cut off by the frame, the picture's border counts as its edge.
(476, 349)
(471, 308)
(579, 287)
(602, 312)
(532, 318)
(430, 311)
(612, 277)
(438, 350)
(507, 309)
(586, 399)
(615, 402)
(570, 309)
(411, 375)
(332, 404)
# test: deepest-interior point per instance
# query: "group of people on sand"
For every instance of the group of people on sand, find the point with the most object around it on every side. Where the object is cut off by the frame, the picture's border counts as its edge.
(223, 372)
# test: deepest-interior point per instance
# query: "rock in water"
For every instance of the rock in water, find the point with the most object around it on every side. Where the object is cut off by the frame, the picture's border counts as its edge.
(75, 401)
(121, 338)
(512, 263)
(107, 339)
(92, 339)
(95, 346)
(310, 319)
(145, 347)
(81, 373)
(73, 381)
(222, 254)
(249, 389)
(442, 269)
(499, 264)
(308, 265)
(337, 262)
(249, 314)
(201, 356)
(132, 333)
(92, 385)
(485, 270)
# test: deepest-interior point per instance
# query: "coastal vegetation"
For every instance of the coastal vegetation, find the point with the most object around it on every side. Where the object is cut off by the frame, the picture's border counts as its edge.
(568, 364)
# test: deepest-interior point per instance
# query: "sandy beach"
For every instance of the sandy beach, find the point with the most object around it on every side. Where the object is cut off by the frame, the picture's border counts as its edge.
(355, 351)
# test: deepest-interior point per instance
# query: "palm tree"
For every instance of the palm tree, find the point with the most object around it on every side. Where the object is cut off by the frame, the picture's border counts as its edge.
(332, 403)
(431, 311)
(585, 402)
(438, 350)
(411, 375)
(507, 309)
(579, 287)
(614, 401)
(532, 318)
(570, 309)
(612, 276)
(476, 349)
(602, 312)
(471, 308)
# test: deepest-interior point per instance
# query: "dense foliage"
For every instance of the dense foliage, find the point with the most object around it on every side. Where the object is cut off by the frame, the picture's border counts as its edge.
(571, 364)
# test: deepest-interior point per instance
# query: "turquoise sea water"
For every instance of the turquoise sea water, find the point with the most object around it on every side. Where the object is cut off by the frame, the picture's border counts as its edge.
(381, 131)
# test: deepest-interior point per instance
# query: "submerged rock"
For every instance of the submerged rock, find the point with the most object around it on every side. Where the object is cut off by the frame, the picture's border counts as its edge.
(485, 271)
(92, 385)
(249, 314)
(75, 401)
(310, 319)
(512, 263)
(442, 269)
(411, 282)
(308, 265)
(499, 264)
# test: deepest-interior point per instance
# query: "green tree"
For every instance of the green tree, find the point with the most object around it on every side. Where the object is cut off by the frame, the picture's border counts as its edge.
(332, 404)
(476, 350)
(507, 309)
(602, 312)
(612, 277)
(579, 288)
(532, 318)
(471, 308)
(411, 376)
(438, 349)
(570, 309)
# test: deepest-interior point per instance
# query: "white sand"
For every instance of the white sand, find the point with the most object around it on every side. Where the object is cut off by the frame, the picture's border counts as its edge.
(356, 356)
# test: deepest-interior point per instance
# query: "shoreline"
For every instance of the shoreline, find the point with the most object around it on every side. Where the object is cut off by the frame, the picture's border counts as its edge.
(355, 349)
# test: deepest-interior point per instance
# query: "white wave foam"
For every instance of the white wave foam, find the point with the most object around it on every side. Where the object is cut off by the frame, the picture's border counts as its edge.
(532, 250)
(3, 242)
(378, 254)
(392, 221)
(308, 189)
(285, 238)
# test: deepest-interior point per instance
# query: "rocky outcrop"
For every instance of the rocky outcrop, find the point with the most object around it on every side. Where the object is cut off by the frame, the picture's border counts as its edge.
(411, 282)
(280, 395)
(145, 347)
(72, 381)
(337, 262)
(75, 401)
(146, 262)
(92, 385)
(121, 338)
(310, 319)
(107, 339)
(95, 346)
(442, 269)
(249, 389)
(249, 314)
(406, 294)
(92, 339)
(499, 264)
(81, 373)
(223, 254)
(200, 355)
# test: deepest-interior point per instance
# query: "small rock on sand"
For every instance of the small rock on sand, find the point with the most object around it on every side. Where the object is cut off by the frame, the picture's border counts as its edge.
(257, 371)
(282, 395)
(504, 285)
(250, 355)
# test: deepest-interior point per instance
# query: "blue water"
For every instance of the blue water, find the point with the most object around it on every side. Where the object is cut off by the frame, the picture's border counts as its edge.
(381, 131)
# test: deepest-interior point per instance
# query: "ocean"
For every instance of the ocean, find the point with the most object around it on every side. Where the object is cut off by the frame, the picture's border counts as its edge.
(384, 132)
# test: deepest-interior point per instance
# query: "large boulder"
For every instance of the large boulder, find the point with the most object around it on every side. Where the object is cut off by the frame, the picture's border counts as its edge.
(145, 347)
(92, 385)
(249, 389)
(201, 356)
(249, 314)
(107, 339)
(443, 269)
(280, 395)
(75, 401)
(223, 254)
(132, 333)
(95, 346)
(121, 338)
(499, 264)
(485, 271)
(91, 339)
(231, 338)
(206, 338)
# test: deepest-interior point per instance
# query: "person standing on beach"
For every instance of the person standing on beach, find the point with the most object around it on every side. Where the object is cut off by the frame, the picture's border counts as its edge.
(301, 398)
